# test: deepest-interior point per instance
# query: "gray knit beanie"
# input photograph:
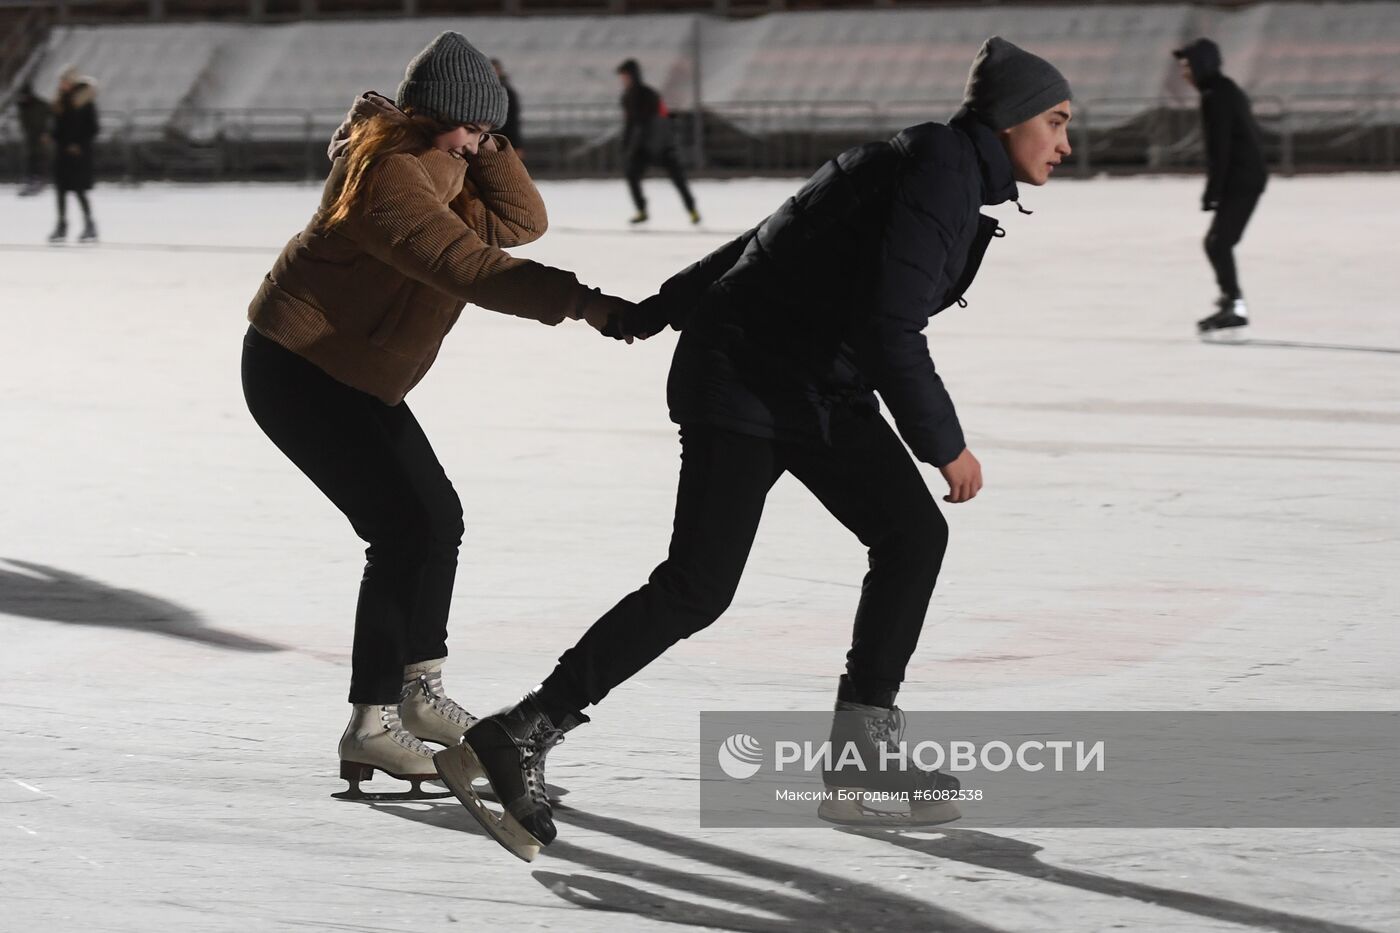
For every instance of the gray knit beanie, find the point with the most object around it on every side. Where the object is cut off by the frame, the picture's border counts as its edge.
(452, 81)
(1008, 85)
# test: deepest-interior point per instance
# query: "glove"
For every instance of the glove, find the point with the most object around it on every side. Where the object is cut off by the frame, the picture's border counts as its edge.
(602, 312)
(641, 321)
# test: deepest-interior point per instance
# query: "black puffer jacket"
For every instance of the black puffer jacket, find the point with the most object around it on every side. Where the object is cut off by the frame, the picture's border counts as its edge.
(1234, 157)
(798, 320)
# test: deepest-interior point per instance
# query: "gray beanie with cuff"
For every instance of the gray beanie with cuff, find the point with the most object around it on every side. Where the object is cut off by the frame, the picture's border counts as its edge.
(1008, 85)
(455, 83)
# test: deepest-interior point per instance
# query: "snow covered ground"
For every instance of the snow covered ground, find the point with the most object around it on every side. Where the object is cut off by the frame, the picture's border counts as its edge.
(1166, 525)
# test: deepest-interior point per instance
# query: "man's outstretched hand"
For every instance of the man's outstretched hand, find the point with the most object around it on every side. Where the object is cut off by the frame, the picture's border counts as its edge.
(964, 476)
(602, 311)
(647, 318)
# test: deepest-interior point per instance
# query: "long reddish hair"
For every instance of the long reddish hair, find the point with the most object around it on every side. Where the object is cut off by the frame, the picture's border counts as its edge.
(372, 139)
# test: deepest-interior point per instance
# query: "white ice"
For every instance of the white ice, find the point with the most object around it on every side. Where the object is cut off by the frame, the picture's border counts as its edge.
(1166, 525)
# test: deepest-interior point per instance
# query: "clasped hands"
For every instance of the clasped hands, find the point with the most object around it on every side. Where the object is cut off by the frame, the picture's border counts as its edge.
(624, 320)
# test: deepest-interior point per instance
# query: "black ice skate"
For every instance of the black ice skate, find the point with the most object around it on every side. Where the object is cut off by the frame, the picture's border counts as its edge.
(881, 796)
(506, 751)
(1230, 314)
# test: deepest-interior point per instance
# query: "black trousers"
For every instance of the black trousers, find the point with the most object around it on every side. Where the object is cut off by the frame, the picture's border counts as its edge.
(1226, 228)
(638, 161)
(63, 204)
(866, 479)
(35, 159)
(375, 464)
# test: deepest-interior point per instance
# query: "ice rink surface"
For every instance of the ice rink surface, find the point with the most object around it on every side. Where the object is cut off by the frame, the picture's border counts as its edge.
(1166, 525)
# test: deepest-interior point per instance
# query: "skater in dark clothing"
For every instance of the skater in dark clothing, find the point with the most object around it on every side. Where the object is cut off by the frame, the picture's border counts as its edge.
(647, 139)
(511, 128)
(419, 207)
(75, 129)
(788, 333)
(35, 116)
(1235, 174)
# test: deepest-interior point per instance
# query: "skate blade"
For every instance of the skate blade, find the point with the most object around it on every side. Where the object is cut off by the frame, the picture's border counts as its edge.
(371, 796)
(353, 772)
(1225, 335)
(854, 813)
(459, 767)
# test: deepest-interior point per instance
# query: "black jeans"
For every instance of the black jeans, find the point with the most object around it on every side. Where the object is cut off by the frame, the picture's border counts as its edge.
(63, 205)
(375, 464)
(637, 162)
(866, 479)
(1226, 227)
(35, 160)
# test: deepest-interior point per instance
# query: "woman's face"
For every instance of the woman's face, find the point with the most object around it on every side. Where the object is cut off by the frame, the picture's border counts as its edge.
(462, 141)
(1039, 144)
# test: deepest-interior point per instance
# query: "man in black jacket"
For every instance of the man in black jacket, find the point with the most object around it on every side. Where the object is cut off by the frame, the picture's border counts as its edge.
(511, 128)
(647, 139)
(1235, 174)
(788, 333)
(35, 115)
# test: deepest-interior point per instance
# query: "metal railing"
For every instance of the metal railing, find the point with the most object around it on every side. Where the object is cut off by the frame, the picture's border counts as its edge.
(751, 136)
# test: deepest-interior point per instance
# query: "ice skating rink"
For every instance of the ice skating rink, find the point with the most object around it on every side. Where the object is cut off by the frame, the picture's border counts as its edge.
(1165, 525)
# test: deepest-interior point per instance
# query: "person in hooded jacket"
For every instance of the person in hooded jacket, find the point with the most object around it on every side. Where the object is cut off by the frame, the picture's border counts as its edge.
(788, 333)
(419, 207)
(75, 129)
(647, 139)
(1235, 174)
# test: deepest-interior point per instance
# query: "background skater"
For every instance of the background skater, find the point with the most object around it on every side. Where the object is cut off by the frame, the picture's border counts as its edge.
(646, 139)
(1235, 174)
(75, 130)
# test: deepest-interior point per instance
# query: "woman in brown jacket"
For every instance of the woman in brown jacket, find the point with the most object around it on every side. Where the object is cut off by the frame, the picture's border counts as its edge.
(419, 204)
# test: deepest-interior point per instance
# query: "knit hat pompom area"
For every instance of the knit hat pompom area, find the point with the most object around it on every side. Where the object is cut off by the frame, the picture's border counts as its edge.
(1008, 85)
(453, 82)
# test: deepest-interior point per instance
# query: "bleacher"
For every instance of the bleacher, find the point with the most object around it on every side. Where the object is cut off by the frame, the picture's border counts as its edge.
(770, 93)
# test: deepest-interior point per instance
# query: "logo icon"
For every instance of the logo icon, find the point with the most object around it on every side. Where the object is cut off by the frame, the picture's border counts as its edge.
(740, 756)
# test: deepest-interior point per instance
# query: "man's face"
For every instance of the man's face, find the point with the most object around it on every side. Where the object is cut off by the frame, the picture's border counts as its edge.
(1039, 144)
(626, 78)
(1186, 72)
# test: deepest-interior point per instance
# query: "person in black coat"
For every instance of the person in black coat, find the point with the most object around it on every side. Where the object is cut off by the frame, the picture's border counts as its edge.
(35, 113)
(511, 128)
(74, 131)
(1235, 173)
(647, 139)
(788, 333)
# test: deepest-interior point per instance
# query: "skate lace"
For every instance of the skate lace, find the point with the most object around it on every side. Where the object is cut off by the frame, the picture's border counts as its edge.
(535, 748)
(431, 685)
(389, 715)
(887, 729)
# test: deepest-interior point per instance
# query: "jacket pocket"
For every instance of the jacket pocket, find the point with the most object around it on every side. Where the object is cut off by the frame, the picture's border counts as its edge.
(382, 334)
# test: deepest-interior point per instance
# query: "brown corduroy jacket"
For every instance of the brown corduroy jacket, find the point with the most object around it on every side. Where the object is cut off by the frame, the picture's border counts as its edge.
(370, 300)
